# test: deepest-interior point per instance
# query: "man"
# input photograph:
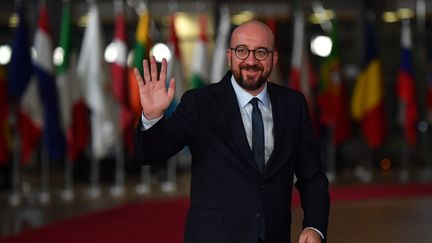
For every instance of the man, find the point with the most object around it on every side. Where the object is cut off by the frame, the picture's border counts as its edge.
(245, 151)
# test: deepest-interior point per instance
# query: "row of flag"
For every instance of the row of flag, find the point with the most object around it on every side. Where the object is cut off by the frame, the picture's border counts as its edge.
(78, 104)
(64, 109)
(335, 111)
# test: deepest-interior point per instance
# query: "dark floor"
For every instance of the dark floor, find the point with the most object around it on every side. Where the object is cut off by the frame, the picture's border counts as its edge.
(380, 221)
(367, 221)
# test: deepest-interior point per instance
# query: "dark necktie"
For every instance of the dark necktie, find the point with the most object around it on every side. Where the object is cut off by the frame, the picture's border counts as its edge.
(257, 135)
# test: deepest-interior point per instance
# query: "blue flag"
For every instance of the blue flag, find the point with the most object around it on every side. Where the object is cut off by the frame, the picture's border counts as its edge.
(20, 67)
(53, 136)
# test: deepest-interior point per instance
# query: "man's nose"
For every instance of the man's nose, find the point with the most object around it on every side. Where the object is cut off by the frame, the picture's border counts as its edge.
(250, 60)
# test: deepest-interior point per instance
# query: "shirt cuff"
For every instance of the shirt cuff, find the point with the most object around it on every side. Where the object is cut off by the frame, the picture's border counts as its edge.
(319, 232)
(146, 124)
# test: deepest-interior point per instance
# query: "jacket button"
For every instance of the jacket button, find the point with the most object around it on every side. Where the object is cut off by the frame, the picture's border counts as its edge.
(257, 216)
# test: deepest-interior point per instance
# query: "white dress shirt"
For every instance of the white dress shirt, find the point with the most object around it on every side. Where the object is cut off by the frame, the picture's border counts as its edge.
(264, 104)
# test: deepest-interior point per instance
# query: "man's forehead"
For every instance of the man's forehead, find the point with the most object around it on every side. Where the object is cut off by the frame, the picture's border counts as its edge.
(251, 41)
(252, 33)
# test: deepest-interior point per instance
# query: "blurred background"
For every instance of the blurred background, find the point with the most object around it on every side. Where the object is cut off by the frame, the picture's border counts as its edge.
(69, 104)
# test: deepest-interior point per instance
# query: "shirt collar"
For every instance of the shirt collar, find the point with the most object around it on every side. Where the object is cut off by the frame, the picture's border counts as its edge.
(244, 97)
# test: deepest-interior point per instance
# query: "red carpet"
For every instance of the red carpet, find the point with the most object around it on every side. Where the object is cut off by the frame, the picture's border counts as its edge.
(163, 221)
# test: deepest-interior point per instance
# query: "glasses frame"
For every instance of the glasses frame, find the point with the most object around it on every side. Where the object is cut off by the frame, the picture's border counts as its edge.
(251, 50)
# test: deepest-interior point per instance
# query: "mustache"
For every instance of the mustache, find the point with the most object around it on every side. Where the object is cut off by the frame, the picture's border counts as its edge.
(252, 67)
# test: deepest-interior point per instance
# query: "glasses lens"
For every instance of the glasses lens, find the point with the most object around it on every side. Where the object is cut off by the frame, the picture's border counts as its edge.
(261, 54)
(242, 52)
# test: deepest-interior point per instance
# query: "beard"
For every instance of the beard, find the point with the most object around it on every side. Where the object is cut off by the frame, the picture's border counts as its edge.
(251, 84)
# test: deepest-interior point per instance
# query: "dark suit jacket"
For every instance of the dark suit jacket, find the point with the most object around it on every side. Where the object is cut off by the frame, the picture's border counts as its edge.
(230, 200)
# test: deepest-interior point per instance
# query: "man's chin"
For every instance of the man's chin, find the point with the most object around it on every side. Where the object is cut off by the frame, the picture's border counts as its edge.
(250, 84)
(250, 75)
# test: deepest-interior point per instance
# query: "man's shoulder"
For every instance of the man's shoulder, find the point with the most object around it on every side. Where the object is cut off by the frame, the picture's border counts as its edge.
(286, 92)
(203, 90)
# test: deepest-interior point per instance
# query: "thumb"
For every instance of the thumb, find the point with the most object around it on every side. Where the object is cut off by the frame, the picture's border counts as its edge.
(303, 239)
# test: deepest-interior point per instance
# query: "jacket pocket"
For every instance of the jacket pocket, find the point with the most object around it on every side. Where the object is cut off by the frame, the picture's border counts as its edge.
(209, 216)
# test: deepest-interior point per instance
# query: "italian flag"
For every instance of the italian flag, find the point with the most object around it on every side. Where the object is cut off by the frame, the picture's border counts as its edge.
(74, 116)
(199, 69)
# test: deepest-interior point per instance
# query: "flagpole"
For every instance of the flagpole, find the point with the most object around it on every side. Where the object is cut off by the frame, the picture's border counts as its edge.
(405, 155)
(422, 53)
(364, 167)
(368, 175)
(405, 150)
(94, 191)
(68, 192)
(15, 197)
(144, 186)
(426, 173)
(331, 163)
(44, 196)
(171, 176)
(118, 189)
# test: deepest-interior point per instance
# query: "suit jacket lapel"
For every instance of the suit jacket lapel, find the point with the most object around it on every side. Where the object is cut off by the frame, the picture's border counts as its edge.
(278, 122)
(229, 104)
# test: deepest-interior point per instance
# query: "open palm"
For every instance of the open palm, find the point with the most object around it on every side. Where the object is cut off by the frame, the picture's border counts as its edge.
(154, 96)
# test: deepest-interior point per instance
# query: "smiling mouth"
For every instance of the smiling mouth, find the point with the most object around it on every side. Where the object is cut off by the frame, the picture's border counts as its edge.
(251, 70)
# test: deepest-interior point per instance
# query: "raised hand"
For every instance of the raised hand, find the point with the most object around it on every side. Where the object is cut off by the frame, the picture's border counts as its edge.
(154, 96)
(309, 235)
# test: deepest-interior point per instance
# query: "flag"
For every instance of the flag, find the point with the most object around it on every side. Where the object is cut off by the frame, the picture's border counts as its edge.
(74, 115)
(302, 77)
(331, 100)
(30, 121)
(220, 62)
(141, 51)
(22, 90)
(53, 137)
(120, 82)
(92, 73)
(276, 74)
(20, 66)
(405, 87)
(367, 102)
(5, 133)
(175, 68)
(199, 70)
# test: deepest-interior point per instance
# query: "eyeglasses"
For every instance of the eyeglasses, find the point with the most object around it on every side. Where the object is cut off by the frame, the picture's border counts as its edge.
(242, 53)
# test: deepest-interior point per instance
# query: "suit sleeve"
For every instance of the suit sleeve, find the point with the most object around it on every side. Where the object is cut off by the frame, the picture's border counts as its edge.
(312, 182)
(168, 135)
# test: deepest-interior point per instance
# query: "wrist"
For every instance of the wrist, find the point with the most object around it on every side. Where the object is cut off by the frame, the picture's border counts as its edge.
(152, 115)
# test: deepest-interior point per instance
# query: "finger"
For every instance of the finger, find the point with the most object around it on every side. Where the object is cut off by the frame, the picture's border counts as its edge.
(153, 69)
(147, 77)
(171, 88)
(163, 71)
(138, 78)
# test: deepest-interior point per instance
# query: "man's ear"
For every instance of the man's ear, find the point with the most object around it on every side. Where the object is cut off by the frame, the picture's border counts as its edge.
(275, 58)
(229, 53)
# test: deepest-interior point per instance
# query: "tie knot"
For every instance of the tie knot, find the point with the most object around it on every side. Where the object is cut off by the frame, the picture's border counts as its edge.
(254, 102)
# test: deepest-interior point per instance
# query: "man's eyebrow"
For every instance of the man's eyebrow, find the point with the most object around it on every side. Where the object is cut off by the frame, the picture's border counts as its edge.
(259, 47)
